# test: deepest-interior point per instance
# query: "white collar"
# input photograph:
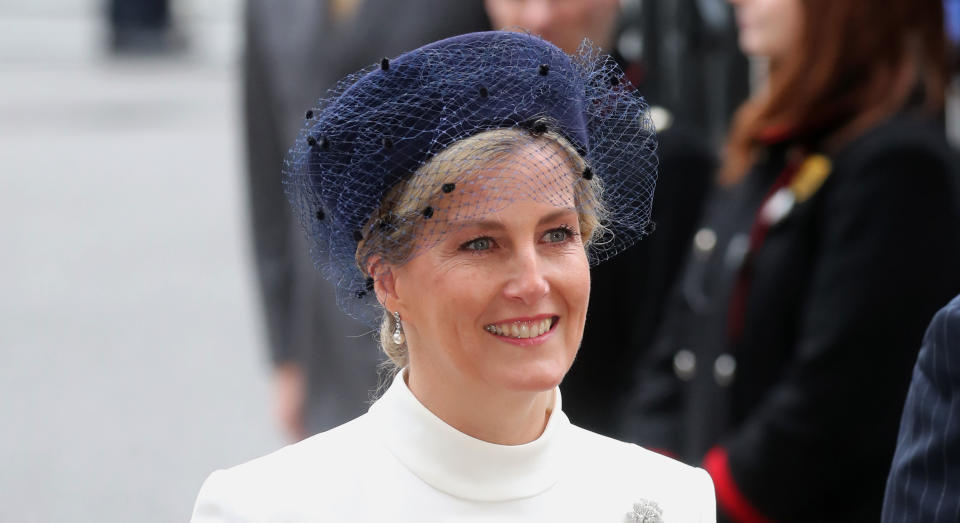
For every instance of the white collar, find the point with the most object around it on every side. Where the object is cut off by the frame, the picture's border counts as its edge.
(461, 465)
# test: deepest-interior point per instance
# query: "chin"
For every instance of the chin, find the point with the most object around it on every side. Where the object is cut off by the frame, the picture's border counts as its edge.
(538, 377)
(749, 44)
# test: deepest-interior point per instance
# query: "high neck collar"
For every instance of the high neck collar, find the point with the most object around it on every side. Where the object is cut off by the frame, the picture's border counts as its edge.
(461, 465)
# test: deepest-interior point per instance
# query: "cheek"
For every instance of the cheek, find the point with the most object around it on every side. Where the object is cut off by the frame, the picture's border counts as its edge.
(471, 291)
(573, 284)
(451, 296)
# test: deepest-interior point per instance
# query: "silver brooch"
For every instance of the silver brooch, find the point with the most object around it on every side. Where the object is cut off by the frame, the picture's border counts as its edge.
(645, 512)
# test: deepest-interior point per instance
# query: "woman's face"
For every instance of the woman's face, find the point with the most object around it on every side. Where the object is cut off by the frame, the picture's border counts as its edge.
(768, 28)
(500, 301)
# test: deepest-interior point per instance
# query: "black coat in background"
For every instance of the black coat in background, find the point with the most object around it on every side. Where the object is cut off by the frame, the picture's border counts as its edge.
(691, 69)
(627, 292)
(800, 412)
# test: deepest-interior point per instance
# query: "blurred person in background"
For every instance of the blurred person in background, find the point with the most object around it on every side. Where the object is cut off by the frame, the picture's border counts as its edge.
(628, 292)
(681, 54)
(685, 53)
(924, 481)
(784, 358)
(325, 364)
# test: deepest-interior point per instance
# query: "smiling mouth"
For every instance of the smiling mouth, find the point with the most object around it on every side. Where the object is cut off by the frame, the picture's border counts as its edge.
(522, 329)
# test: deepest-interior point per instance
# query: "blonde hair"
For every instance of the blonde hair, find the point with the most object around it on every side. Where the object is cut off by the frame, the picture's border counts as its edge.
(402, 204)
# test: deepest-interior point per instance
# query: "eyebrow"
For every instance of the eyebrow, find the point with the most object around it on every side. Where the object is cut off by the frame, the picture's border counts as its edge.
(495, 224)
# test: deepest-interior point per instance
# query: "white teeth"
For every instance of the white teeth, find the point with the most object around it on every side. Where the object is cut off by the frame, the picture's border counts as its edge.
(521, 329)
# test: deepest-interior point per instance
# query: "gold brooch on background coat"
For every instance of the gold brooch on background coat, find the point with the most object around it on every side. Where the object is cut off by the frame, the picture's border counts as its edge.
(645, 512)
(809, 177)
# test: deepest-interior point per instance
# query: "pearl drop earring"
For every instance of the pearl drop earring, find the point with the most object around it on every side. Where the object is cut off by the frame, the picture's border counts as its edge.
(397, 329)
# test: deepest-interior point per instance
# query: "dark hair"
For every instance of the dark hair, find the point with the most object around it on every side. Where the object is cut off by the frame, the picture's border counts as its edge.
(857, 62)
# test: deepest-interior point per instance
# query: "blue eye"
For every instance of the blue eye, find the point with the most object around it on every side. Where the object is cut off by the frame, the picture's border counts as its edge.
(558, 235)
(478, 244)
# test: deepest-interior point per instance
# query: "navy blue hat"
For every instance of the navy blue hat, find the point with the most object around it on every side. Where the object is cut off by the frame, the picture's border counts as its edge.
(378, 127)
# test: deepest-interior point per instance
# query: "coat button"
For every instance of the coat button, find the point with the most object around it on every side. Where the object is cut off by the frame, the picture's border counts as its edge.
(704, 242)
(724, 369)
(685, 364)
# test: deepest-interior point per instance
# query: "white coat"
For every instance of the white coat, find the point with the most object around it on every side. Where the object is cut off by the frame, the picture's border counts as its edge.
(401, 463)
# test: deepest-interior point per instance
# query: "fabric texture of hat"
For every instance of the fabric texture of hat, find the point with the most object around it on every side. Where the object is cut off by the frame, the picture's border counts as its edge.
(379, 126)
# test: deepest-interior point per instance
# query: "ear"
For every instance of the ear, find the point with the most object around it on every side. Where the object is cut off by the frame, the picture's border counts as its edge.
(384, 284)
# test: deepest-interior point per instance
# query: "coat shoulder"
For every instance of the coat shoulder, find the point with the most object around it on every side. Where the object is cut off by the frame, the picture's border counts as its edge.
(898, 137)
(603, 448)
(905, 159)
(343, 446)
(645, 477)
(327, 465)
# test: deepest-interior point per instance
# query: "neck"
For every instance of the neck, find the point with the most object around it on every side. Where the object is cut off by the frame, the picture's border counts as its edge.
(481, 411)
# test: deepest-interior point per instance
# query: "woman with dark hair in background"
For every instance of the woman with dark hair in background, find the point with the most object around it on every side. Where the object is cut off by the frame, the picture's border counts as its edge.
(784, 358)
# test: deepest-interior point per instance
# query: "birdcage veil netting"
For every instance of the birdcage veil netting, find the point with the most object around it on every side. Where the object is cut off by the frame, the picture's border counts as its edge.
(401, 154)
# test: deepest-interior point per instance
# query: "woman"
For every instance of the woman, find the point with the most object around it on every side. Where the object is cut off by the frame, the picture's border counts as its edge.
(455, 193)
(784, 360)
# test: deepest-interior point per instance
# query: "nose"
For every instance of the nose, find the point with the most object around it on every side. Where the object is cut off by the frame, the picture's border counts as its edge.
(527, 282)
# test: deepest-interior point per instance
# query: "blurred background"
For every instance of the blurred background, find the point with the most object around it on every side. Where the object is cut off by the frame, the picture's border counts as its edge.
(131, 358)
(133, 348)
